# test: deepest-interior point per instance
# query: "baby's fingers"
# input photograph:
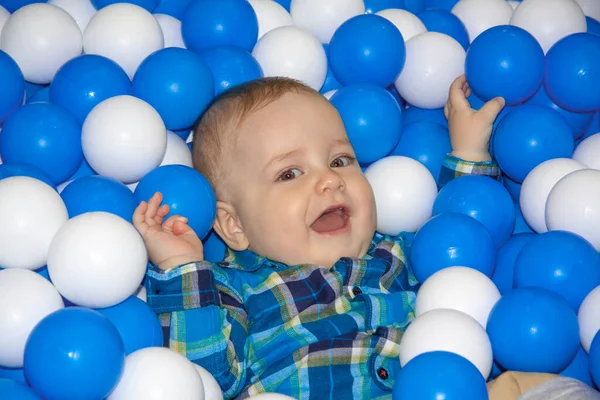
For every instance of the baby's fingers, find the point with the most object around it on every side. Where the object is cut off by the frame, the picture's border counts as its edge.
(490, 110)
(457, 97)
(170, 222)
(139, 214)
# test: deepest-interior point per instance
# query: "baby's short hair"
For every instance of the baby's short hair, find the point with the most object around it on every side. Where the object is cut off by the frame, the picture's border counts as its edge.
(214, 134)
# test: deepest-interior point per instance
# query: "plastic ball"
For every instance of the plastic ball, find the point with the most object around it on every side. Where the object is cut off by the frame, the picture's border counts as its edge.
(506, 257)
(187, 193)
(148, 5)
(407, 23)
(214, 248)
(171, 29)
(529, 135)
(305, 61)
(367, 49)
(448, 240)
(561, 262)
(323, 17)
(41, 38)
(482, 198)
(177, 83)
(443, 21)
(594, 358)
(593, 26)
(81, 10)
(270, 15)
(589, 318)
(207, 24)
(41, 96)
(124, 138)
(212, 390)
(124, 33)
(505, 61)
(441, 4)
(372, 118)
(533, 330)
(433, 62)
(137, 324)
(14, 390)
(414, 114)
(587, 152)
(8, 170)
(158, 372)
(574, 205)
(447, 330)
(579, 368)
(440, 374)
(13, 86)
(549, 20)
(591, 8)
(25, 299)
(107, 246)
(520, 224)
(86, 81)
(178, 152)
(426, 142)
(15, 374)
(571, 74)
(83, 361)
(479, 17)
(174, 8)
(231, 66)
(31, 213)
(537, 186)
(271, 396)
(4, 16)
(413, 189)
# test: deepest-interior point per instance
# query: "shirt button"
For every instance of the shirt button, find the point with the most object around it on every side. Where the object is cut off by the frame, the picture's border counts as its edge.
(382, 373)
(356, 290)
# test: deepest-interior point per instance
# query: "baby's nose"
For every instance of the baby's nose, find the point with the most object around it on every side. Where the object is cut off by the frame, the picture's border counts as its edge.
(330, 180)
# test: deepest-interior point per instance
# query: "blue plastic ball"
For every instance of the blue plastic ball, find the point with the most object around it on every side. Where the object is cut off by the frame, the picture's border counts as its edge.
(451, 239)
(137, 324)
(214, 248)
(572, 77)
(513, 188)
(562, 262)
(209, 23)
(285, 4)
(230, 66)
(414, 6)
(13, 5)
(99, 193)
(521, 225)
(83, 171)
(529, 135)
(177, 83)
(533, 330)
(14, 390)
(482, 198)
(443, 4)
(505, 61)
(8, 170)
(594, 359)
(41, 96)
(504, 273)
(414, 114)
(367, 49)
(148, 5)
(372, 118)
(440, 375)
(443, 21)
(186, 191)
(593, 26)
(85, 81)
(43, 135)
(426, 142)
(31, 89)
(12, 84)
(174, 8)
(15, 374)
(580, 368)
(74, 353)
(374, 6)
(592, 129)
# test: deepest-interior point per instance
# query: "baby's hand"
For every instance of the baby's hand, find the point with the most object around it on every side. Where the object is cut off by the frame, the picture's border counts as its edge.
(169, 243)
(470, 130)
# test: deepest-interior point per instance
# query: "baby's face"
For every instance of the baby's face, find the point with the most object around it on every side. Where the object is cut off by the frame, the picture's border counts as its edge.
(298, 190)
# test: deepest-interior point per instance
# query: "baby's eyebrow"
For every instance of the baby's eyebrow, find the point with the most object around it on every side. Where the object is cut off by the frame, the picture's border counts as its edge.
(281, 157)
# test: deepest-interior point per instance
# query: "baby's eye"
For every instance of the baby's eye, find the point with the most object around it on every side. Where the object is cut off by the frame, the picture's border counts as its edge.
(341, 161)
(290, 174)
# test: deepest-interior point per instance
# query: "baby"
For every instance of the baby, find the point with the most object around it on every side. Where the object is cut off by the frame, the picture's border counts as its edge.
(308, 302)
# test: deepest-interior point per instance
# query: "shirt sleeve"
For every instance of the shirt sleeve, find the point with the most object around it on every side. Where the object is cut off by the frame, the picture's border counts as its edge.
(203, 318)
(454, 167)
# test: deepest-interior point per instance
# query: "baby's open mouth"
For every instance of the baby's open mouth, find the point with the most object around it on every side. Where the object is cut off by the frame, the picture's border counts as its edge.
(333, 220)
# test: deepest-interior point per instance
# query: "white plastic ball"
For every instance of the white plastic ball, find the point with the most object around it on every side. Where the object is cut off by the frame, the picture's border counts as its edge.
(31, 213)
(329, 95)
(574, 205)
(537, 186)
(591, 8)
(433, 61)
(81, 10)
(97, 260)
(125, 33)
(589, 318)
(26, 298)
(399, 184)
(407, 23)
(549, 20)
(178, 152)
(212, 390)
(171, 29)
(4, 15)
(271, 15)
(294, 53)
(41, 38)
(448, 330)
(141, 293)
(124, 138)
(479, 16)
(588, 152)
(323, 17)
(158, 373)
(458, 288)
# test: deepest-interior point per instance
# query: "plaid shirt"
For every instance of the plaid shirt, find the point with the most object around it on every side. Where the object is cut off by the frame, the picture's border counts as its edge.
(306, 331)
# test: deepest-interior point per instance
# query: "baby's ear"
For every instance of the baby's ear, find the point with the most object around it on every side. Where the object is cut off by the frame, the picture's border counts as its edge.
(228, 227)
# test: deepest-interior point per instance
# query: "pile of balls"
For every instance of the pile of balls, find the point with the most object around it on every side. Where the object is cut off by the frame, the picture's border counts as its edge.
(97, 102)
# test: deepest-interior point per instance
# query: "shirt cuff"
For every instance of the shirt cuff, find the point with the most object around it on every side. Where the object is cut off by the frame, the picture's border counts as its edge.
(454, 167)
